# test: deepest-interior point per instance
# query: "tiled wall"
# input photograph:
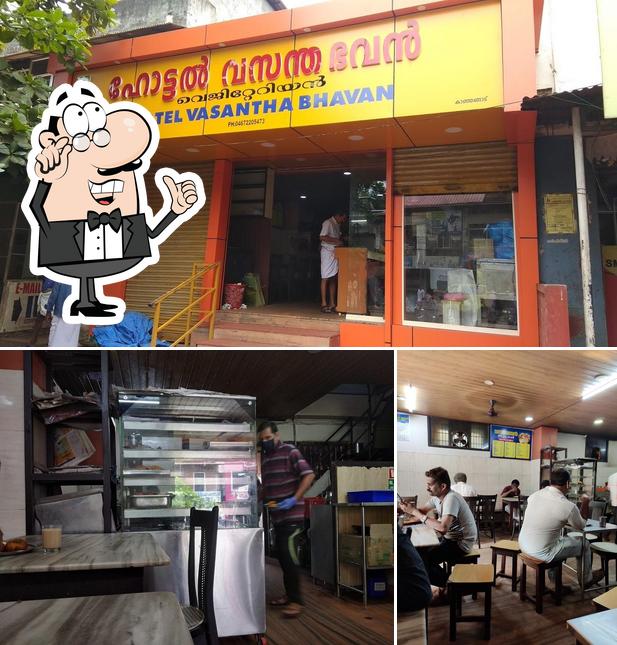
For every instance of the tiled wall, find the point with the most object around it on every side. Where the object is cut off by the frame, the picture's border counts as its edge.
(12, 492)
(488, 476)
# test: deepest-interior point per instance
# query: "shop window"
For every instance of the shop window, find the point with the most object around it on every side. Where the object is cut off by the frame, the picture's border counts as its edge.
(459, 260)
(447, 433)
(367, 231)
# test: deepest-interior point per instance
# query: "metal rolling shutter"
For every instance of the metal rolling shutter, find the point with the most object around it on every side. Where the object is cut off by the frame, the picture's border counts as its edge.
(185, 246)
(476, 168)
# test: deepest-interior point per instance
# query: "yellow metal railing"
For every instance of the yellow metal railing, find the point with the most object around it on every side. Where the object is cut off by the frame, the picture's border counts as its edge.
(199, 272)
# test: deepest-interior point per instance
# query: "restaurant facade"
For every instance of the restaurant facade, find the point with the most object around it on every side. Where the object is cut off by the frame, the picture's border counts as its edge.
(405, 114)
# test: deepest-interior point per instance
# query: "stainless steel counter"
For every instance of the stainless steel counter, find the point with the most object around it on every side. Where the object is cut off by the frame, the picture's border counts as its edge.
(239, 580)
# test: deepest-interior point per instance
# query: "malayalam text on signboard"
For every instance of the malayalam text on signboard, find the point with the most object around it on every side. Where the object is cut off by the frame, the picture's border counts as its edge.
(335, 76)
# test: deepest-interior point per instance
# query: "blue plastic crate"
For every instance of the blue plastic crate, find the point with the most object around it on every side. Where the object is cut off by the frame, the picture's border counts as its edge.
(358, 496)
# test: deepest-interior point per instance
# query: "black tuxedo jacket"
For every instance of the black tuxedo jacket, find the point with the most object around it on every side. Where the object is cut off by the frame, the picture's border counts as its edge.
(63, 242)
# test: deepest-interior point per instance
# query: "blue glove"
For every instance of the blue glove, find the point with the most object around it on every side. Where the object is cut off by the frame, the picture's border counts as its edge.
(286, 504)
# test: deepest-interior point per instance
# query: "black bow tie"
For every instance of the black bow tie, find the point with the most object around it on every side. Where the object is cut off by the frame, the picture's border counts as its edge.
(114, 219)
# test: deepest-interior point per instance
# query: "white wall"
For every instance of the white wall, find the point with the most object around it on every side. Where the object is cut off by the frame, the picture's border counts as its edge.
(12, 487)
(569, 52)
(488, 476)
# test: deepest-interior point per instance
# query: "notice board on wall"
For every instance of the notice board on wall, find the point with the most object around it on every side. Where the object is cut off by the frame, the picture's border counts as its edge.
(510, 443)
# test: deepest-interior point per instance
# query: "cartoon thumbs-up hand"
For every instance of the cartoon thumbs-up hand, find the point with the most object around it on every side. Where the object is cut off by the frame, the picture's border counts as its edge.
(53, 160)
(183, 194)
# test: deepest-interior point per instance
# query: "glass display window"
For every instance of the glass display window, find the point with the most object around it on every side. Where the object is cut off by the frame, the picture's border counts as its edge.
(459, 261)
(367, 230)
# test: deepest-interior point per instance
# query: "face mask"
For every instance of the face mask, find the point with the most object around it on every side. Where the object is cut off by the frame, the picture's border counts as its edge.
(267, 445)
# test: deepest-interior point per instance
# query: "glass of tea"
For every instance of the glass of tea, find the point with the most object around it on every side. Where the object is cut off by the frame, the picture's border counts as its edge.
(52, 538)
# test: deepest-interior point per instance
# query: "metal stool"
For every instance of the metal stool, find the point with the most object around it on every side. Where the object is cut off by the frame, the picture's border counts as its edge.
(470, 579)
(607, 552)
(506, 549)
(590, 537)
(540, 567)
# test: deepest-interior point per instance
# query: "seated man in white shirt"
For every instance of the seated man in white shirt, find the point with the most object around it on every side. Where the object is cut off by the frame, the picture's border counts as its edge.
(455, 522)
(462, 487)
(548, 511)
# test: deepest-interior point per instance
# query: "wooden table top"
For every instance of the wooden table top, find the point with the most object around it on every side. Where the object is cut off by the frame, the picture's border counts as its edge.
(472, 573)
(596, 629)
(126, 619)
(607, 600)
(89, 551)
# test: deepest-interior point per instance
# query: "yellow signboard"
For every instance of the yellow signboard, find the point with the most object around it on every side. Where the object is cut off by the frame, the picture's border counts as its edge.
(108, 78)
(159, 89)
(251, 88)
(460, 67)
(609, 259)
(607, 22)
(357, 74)
(559, 213)
(439, 61)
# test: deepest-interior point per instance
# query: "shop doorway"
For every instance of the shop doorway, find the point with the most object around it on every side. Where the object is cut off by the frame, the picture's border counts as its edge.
(275, 223)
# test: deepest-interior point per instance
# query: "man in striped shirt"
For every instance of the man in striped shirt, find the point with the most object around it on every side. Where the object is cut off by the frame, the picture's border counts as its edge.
(286, 476)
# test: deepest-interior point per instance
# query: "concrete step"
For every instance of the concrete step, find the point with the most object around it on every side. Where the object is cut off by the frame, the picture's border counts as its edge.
(251, 335)
(259, 316)
(200, 339)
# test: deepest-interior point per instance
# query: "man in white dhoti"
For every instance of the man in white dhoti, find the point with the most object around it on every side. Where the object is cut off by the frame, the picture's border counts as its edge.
(330, 238)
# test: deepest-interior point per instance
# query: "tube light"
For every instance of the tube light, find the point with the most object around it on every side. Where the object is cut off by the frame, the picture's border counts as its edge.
(140, 401)
(603, 385)
(411, 396)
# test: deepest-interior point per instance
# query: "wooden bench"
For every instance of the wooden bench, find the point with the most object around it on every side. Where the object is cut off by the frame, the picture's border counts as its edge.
(540, 567)
(470, 579)
(506, 549)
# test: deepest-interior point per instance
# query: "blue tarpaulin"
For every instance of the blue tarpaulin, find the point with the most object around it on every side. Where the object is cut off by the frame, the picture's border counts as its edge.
(134, 331)
(502, 234)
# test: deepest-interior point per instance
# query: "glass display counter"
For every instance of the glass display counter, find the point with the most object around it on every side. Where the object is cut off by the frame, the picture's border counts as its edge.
(178, 451)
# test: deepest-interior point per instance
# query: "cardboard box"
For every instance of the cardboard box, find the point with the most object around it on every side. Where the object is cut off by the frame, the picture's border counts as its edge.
(483, 248)
(496, 279)
(379, 546)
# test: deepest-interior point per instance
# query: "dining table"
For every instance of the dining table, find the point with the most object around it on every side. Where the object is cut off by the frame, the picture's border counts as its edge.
(592, 526)
(515, 501)
(595, 629)
(90, 564)
(152, 618)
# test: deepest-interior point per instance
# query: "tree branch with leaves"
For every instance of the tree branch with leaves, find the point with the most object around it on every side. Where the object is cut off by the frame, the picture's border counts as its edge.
(63, 28)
